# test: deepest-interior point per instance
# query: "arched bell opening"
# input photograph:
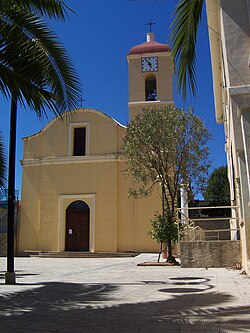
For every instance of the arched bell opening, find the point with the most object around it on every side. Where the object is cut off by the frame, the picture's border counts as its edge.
(150, 88)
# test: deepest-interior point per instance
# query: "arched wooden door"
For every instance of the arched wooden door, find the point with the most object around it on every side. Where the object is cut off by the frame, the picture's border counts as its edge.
(77, 227)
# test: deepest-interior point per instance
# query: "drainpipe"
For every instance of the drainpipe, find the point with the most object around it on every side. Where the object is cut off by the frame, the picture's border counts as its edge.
(184, 203)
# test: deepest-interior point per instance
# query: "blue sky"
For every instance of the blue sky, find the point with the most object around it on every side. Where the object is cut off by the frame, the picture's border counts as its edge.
(97, 40)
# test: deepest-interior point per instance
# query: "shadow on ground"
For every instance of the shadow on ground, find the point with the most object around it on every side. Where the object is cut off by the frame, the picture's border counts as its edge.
(73, 307)
(18, 274)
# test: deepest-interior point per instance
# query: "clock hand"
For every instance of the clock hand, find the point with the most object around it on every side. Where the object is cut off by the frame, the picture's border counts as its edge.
(149, 63)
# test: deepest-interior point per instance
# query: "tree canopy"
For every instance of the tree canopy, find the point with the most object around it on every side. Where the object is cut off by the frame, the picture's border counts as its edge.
(217, 192)
(166, 146)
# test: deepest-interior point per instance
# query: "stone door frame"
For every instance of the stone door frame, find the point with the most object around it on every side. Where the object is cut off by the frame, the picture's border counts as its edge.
(64, 201)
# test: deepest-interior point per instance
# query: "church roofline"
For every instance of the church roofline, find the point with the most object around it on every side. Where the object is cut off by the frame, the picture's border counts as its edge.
(66, 116)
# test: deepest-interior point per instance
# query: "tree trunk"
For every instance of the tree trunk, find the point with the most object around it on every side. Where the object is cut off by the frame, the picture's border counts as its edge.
(160, 252)
(170, 258)
(10, 274)
(169, 249)
(163, 212)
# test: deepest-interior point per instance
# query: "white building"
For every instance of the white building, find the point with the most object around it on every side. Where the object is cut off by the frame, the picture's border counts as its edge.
(229, 33)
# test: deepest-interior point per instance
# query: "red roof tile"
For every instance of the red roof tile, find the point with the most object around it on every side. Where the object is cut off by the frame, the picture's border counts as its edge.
(149, 47)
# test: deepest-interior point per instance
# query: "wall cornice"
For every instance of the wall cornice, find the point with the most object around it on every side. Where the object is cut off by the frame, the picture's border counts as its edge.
(70, 160)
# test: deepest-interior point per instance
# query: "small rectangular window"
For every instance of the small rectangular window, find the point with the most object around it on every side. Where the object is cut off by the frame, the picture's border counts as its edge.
(79, 141)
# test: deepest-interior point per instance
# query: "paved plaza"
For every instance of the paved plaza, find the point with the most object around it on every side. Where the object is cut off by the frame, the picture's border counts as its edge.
(115, 295)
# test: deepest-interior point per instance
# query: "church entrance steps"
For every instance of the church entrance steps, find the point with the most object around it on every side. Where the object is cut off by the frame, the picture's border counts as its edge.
(71, 254)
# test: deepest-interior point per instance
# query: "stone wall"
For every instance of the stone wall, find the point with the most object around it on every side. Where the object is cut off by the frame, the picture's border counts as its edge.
(210, 254)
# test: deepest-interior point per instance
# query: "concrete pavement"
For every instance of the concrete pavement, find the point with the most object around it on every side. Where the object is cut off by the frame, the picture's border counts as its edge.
(115, 295)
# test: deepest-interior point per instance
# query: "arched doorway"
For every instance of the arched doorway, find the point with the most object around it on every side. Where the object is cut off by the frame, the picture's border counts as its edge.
(77, 227)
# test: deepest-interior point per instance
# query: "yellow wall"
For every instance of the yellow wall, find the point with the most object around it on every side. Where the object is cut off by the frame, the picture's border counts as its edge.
(137, 82)
(104, 135)
(134, 217)
(52, 180)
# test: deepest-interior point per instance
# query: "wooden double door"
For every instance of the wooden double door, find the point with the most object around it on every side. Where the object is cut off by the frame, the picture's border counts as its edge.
(77, 227)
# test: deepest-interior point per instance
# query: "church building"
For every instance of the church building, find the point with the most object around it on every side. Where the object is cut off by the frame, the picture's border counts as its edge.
(74, 192)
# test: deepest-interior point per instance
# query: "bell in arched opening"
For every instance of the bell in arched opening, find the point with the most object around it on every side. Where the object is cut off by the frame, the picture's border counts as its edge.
(150, 88)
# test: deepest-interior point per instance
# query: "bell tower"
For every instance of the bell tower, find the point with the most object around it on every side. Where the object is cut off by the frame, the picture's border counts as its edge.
(150, 75)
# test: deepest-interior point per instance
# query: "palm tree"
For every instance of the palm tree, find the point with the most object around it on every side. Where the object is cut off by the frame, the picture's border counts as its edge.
(34, 67)
(183, 41)
(34, 71)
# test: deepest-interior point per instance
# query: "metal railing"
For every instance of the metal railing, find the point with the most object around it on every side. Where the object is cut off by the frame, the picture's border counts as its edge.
(216, 234)
(191, 232)
(4, 195)
(4, 227)
(3, 220)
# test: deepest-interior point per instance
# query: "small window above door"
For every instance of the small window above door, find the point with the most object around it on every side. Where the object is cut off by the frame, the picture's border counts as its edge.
(79, 134)
(79, 148)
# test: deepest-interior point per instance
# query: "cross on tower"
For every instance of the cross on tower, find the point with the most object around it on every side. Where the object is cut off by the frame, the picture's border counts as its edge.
(81, 101)
(150, 23)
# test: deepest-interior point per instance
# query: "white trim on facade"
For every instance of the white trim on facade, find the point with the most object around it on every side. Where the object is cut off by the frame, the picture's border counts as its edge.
(157, 54)
(150, 102)
(70, 160)
(239, 90)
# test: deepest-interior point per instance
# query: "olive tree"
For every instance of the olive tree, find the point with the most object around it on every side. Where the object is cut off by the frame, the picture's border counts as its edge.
(166, 146)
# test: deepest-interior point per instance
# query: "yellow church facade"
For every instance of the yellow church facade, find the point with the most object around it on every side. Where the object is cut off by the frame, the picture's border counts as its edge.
(74, 191)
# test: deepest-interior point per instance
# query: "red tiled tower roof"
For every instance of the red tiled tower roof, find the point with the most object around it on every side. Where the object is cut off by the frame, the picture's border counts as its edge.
(150, 46)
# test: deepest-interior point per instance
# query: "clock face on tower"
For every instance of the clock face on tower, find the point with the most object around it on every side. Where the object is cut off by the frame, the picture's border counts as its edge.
(149, 64)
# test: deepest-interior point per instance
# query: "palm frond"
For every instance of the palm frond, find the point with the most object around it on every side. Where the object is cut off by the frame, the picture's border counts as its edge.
(183, 41)
(53, 9)
(32, 60)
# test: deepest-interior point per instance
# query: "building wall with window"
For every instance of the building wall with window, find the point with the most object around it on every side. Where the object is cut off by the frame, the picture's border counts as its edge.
(53, 179)
(73, 180)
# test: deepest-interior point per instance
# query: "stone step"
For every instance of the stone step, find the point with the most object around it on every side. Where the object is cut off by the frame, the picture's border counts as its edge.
(82, 254)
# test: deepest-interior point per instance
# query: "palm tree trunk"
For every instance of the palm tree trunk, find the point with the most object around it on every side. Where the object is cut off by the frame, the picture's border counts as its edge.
(10, 274)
